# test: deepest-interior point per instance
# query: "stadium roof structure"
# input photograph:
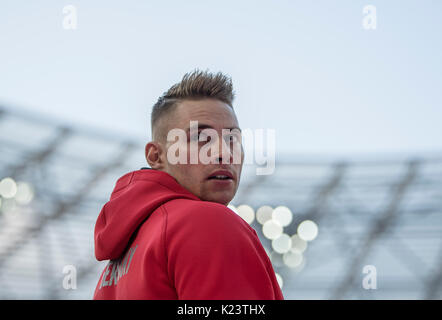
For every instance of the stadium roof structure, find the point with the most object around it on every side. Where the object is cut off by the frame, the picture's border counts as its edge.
(333, 228)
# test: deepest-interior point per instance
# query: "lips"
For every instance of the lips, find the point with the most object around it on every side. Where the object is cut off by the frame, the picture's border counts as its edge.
(221, 175)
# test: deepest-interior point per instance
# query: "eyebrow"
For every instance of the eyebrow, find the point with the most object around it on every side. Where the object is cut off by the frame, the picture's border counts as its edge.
(206, 126)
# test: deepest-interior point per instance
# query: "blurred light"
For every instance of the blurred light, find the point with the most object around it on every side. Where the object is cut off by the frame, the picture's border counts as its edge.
(8, 206)
(300, 267)
(279, 279)
(18, 216)
(298, 245)
(246, 212)
(272, 229)
(307, 230)
(282, 244)
(283, 215)
(292, 259)
(25, 193)
(276, 259)
(233, 208)
(263, 214)
(8, 188)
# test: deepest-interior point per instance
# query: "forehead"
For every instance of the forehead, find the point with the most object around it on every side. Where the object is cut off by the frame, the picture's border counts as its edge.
(214, 113)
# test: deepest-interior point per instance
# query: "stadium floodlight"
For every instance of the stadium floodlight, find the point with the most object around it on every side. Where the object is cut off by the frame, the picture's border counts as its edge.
(263, 214)
(272, 229)
(283, 215)
(282, 244)
(307, 230)
(246, 212)
(8, 188)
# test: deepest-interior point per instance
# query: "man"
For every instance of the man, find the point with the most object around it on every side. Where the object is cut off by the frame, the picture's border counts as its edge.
(167, 230)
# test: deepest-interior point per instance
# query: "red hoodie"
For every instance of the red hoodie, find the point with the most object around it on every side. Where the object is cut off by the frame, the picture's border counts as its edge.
(164, 243)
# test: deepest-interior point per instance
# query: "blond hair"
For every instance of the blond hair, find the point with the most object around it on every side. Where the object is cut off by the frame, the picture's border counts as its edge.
(194, 85)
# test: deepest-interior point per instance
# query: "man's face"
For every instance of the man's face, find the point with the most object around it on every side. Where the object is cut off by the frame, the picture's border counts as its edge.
(204, 179)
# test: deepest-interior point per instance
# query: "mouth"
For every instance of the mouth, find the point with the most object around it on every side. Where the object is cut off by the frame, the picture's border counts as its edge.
(221, 175)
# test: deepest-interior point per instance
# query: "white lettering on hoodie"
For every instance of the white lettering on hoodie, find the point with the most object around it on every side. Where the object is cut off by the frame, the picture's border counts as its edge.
(117, 269)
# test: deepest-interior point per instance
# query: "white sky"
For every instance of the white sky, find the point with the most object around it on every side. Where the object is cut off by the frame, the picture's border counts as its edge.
(305, 68)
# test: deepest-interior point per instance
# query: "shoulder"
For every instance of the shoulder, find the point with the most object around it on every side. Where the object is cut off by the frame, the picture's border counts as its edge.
(183, 209)
(196, 215)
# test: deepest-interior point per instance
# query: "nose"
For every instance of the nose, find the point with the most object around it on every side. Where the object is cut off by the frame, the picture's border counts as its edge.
(223, 154)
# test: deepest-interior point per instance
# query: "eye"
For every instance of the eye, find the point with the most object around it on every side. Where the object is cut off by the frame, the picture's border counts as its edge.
(200, 136)
(232, 138)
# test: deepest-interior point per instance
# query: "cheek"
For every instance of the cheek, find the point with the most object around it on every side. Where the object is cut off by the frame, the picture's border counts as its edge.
(192, 175)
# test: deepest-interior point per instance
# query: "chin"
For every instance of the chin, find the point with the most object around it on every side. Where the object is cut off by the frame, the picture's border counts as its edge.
(221, 199)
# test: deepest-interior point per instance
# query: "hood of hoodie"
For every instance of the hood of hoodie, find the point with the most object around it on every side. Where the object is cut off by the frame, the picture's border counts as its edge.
(136, 195)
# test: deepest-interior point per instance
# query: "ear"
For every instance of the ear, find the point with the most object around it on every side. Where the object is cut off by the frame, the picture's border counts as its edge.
(153, 152)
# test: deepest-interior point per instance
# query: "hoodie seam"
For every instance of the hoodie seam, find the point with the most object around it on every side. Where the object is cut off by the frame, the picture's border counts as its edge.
(164, 240)
(119, 181)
